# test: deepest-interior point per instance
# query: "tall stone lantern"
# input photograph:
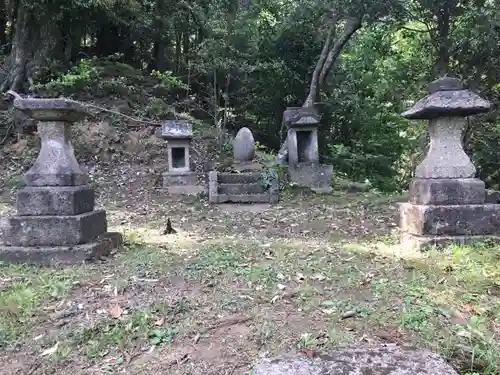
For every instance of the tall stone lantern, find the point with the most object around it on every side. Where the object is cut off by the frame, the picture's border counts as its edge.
(56, 222)
(447, 202)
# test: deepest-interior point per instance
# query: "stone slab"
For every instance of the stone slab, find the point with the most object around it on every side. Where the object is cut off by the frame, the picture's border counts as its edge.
(62, 255)
(426, 242)
(382, 360)
(252, 188)
(56, 200)
(451, 220)
(238, 178)
(447, 191)
(244, 198)
(247, 167)
(311, 175)
(179, 179)
(29, 231)
(186, 190)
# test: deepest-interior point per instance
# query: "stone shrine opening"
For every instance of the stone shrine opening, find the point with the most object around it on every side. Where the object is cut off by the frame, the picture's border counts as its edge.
(178, 157)
(304, 139)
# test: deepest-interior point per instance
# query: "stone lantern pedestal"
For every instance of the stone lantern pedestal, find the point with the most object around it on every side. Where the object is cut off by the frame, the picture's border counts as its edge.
(447, 202)
(56, 222)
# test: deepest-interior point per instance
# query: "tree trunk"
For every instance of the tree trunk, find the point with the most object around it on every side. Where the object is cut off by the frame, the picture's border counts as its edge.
(34, 42)
(326, 60)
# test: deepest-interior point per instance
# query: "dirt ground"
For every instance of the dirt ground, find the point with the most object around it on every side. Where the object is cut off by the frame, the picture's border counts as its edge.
(238, 283)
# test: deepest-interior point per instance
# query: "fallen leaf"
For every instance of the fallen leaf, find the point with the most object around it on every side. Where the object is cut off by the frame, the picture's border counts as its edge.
(307, 352)
(116, 311)
(348, 314)
(50, 351)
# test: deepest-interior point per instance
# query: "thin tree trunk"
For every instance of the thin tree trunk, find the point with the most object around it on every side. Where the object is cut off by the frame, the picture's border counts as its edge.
(326, 61)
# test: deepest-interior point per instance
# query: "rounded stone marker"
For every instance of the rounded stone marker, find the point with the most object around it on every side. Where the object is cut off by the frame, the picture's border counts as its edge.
(244, 146)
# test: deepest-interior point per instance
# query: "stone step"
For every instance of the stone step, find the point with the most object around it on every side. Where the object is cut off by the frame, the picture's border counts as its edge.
(238, 178)
(253, 188)
(32, 231)
(244, 198)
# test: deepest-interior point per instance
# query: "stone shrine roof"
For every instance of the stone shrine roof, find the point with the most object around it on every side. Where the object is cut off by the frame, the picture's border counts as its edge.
(301, 116)
(447, 98)
(176, 129)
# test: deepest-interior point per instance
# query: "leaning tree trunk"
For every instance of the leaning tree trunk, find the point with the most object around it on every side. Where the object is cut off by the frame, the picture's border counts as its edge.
(327, 58)
(35, 41)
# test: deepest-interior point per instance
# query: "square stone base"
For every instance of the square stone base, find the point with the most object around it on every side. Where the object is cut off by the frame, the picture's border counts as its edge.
(426, 242)
(182, 183)
(27, 231)
(450, 220)
(447, 191)
(62, 255)
(312, 175)
(55, 200)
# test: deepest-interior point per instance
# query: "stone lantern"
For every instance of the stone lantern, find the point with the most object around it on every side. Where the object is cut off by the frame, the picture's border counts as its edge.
(303, 155)
(56, 222)
(179, 178)
(447, 202)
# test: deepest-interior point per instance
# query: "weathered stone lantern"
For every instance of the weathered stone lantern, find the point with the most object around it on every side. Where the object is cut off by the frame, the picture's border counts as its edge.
(303, 155)
(179, 179)
(56, 222)
(447, 202)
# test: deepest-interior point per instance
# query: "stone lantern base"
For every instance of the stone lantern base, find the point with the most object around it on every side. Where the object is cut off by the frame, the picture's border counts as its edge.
(444, 211)
(56, 225)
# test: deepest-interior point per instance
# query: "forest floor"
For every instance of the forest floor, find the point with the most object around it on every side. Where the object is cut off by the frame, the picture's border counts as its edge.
(238, 283)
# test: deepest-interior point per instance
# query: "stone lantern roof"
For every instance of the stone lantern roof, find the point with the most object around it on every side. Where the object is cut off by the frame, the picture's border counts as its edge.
(176, 129)
(447, 98)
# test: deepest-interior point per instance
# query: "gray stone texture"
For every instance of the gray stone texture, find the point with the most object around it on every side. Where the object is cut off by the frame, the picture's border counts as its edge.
(183, 183)
(244, 146)
(60, 200)
(450, 220)
(300, 116)
(312, 175)
(62, 255)
(447, 99)
(56, 164)
(213, 187)
(447, 191)
(446, 157)
(383, 360)
(56, 223)
(447, 204)
(47, 110)
(175, 129)
(242, 188)
(32, 231)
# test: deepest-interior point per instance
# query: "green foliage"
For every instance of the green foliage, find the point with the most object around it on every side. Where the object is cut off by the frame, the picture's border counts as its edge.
(168, 79)
(79, 78)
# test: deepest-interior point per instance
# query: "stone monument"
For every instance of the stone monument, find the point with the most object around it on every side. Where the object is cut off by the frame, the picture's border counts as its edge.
(179, 179)
(56, 222)
(252, 183)
(447, 203)
(304, 168)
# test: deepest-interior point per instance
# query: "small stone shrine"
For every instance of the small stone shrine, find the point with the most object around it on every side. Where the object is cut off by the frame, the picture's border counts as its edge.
(303, 156)
(56, 222)
(252, 183)
(447, 203)
(179, 179)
